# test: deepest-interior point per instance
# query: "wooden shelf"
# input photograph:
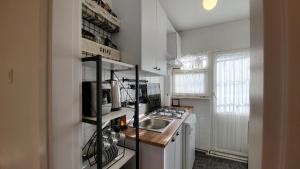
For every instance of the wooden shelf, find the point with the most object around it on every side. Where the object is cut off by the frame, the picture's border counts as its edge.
(109, 116)
(95, 48)
(94, 13)
(108, 64)
(122, 161)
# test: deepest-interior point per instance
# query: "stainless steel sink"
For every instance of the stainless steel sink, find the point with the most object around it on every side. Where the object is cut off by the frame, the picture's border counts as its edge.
(155, 124)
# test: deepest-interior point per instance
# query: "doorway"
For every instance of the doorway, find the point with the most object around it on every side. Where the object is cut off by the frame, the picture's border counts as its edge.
(231, 105)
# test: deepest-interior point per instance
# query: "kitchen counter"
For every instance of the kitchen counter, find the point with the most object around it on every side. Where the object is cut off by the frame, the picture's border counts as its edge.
(159, 139)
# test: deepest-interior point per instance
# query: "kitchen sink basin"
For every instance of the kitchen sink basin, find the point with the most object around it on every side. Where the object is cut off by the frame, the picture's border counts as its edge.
(155, 124)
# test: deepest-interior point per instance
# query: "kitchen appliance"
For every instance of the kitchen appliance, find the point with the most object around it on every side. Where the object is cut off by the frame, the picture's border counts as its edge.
(167, 100)
(89, 98)
(170, 112)
(154, 96)
(189, 132)
(116, 96)
(174, 63)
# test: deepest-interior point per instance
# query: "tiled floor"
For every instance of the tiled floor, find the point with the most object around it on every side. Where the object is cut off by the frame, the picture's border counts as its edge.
(203, 161)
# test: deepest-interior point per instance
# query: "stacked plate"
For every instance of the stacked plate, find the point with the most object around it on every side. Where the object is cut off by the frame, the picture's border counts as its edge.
(109, 154)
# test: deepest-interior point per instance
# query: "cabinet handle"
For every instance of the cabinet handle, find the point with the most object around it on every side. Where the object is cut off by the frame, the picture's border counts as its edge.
(173, 139)
(177, 134)
(158, 68)
(155, 68)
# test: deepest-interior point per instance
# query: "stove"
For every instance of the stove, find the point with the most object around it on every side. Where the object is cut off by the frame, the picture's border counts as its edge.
(171, 112)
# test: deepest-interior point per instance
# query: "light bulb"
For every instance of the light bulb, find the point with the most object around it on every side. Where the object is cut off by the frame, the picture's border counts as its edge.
(209, 4)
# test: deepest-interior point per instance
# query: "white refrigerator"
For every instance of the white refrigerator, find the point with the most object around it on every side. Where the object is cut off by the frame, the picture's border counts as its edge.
(189, 128)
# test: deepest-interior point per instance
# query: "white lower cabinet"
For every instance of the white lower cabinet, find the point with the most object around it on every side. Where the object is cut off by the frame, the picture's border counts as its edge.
(169, 155)
(178, 149)
(173, 152)
(155, 157)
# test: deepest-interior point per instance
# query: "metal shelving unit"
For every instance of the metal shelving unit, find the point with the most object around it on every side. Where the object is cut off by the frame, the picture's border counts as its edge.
(114, 66)
(97, 47)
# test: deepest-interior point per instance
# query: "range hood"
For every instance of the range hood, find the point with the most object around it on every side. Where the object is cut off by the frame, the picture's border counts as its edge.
(174, 63)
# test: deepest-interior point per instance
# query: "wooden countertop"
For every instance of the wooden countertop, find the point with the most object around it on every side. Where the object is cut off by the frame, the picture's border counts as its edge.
(155, 138)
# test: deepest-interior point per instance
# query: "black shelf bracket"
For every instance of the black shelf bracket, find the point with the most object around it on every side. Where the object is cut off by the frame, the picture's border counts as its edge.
(136, 117)
(92, 58)
(99, 110)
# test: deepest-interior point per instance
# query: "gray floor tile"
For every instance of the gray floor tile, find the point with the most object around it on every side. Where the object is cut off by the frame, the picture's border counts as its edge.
(202, 161)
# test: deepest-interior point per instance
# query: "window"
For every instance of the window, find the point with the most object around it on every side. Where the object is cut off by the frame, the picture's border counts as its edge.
(192, 79)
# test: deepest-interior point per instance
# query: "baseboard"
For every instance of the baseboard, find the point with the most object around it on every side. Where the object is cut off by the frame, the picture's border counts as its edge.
(228, 156)
(202, 150)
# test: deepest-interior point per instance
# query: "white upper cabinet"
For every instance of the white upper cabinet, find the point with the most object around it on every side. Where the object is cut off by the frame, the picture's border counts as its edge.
(162, 39)
(149, 36)
(174, 45)
(142, 38)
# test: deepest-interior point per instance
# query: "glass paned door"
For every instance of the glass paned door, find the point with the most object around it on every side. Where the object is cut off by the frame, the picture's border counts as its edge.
(231, 103)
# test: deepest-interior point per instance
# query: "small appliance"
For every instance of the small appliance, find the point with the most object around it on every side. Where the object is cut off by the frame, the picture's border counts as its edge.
(154, 96)
(116, 96)
(89, 98)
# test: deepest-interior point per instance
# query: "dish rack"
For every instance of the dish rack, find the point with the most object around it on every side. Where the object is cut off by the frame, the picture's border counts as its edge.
(113, 148)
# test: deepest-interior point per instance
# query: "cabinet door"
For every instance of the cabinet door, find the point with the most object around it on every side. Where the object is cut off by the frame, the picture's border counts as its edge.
(178, 39)
(149, 37)
(178, 149)
(169, 155)
(162, 21)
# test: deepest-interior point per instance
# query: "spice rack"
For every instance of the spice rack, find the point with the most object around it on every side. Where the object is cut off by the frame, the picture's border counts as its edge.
(97, 27)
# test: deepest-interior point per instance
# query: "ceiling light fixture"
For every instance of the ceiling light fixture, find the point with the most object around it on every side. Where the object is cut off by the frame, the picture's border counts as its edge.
(209, 4)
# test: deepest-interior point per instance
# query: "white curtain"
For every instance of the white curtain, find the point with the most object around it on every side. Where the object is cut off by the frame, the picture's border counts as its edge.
(192, 79)
(231, 105)
(190, 83)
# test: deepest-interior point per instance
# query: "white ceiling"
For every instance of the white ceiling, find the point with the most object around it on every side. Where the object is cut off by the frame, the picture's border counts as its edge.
(189, 14)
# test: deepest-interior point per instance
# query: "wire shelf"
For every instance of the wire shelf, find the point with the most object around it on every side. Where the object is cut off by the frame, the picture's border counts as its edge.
(100, 20)
(95, 30)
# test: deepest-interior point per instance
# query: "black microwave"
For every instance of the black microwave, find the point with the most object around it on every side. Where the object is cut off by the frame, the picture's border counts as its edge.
(89, 99)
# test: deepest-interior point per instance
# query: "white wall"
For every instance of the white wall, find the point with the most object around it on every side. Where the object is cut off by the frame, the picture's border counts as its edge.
(231, 35)
(227, 36)
(256, 86)
(23, 99)
(275, 93)
(64, 81)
